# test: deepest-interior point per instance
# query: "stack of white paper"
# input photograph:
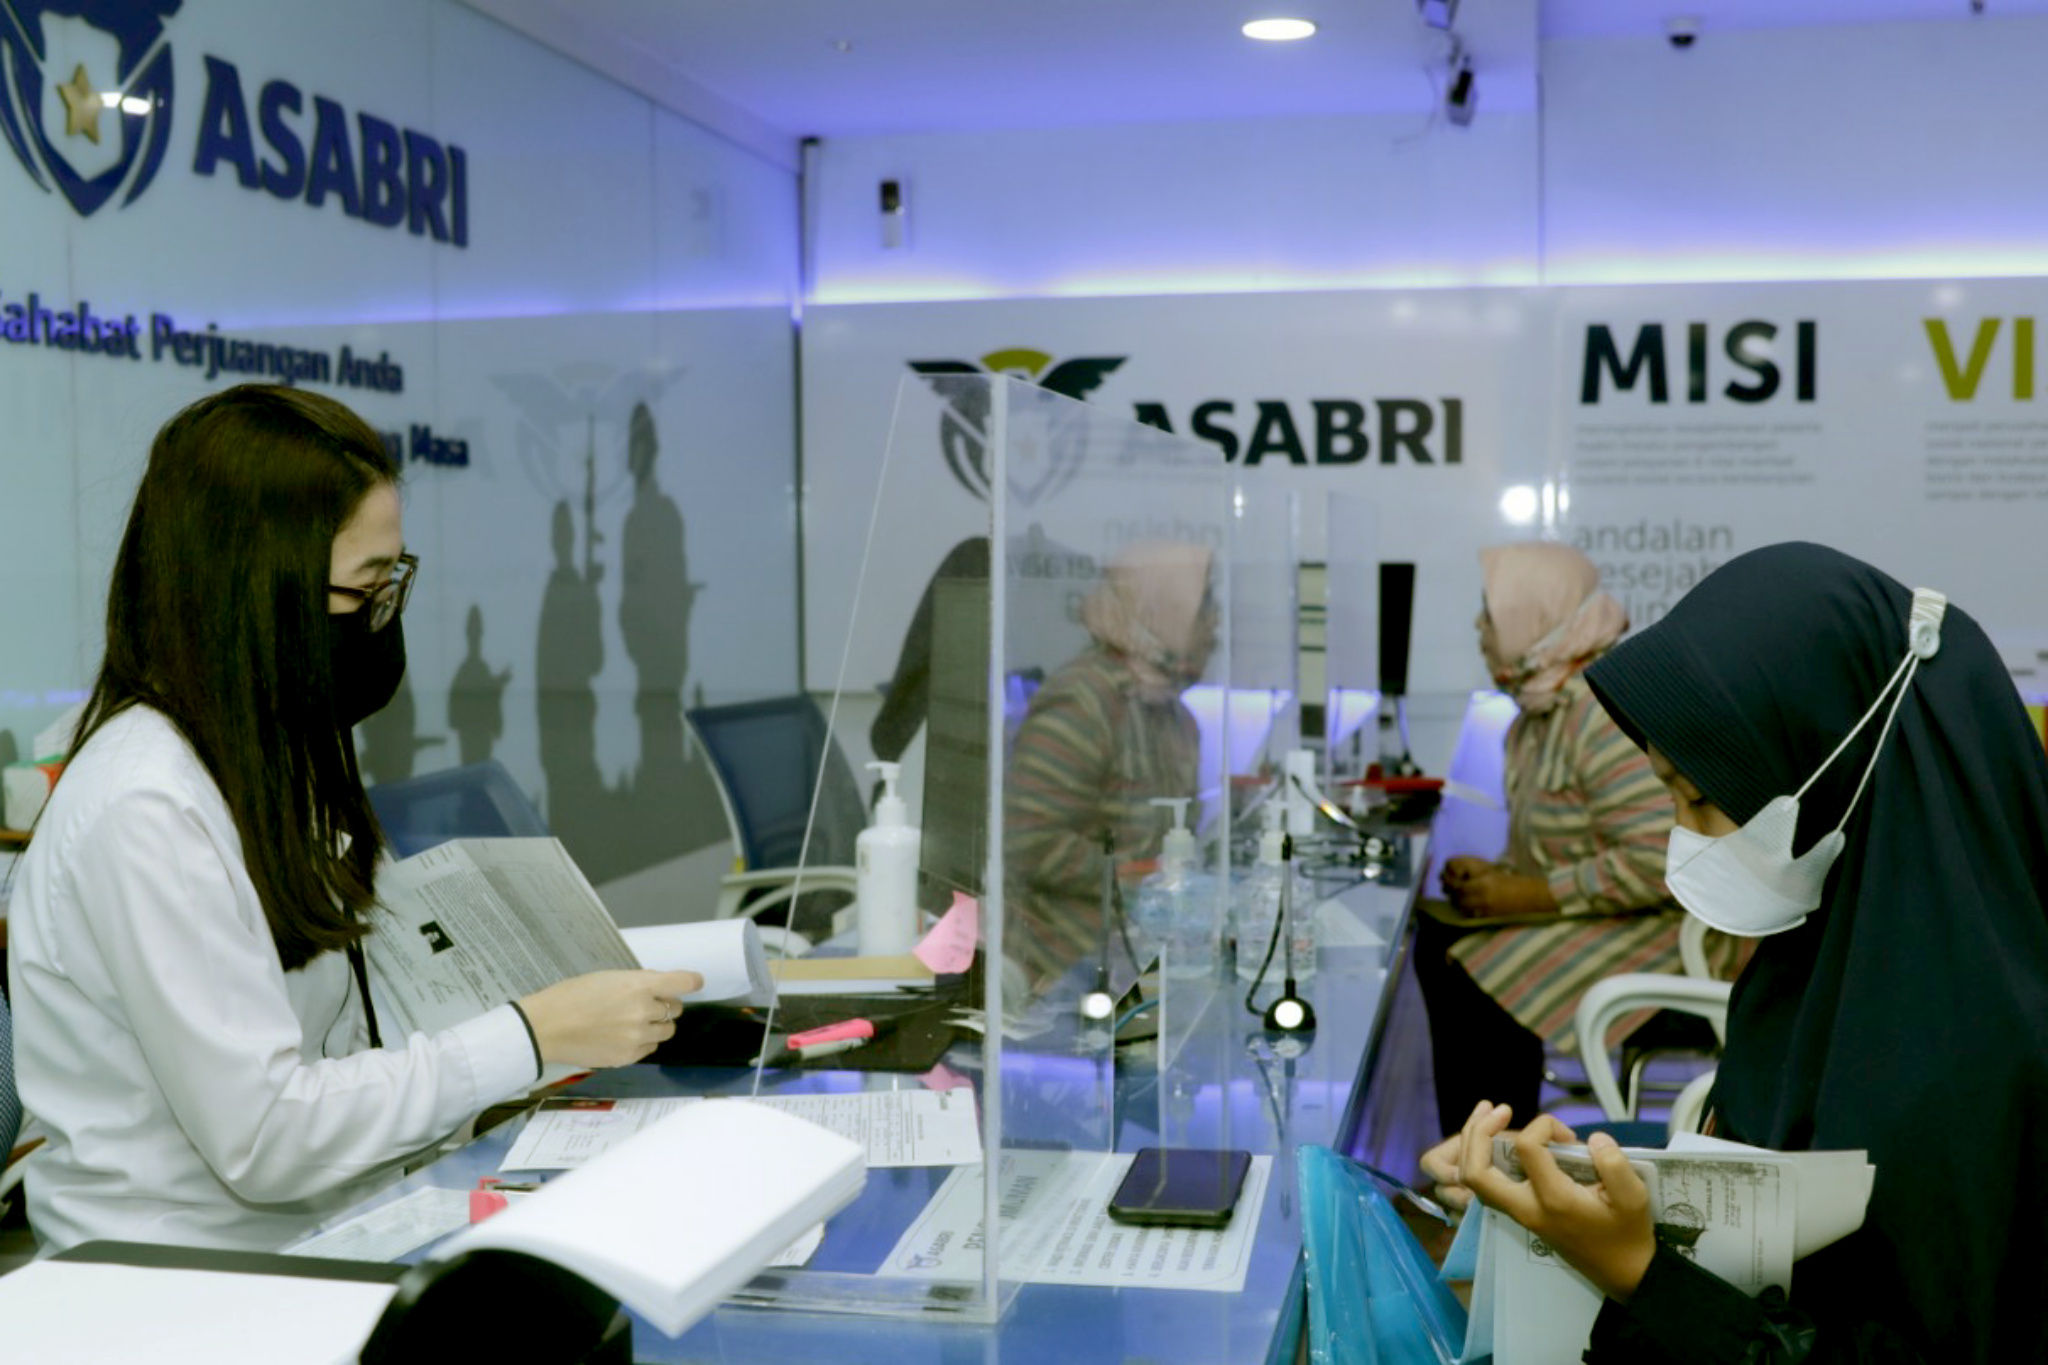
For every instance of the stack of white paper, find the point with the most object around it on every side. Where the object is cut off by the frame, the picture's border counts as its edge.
(88, 1313)
(1744, 1213)
(683, 1213)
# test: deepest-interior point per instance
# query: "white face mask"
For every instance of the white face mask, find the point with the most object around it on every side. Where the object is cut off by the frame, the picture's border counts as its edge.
(1748, 883)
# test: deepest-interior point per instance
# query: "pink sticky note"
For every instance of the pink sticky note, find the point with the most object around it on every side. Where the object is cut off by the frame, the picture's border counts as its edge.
(949, 947)
(943, 1077)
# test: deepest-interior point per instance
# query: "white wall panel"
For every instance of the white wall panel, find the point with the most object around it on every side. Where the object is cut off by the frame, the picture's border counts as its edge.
(1183, 208)
(1894, 149)
(588, 284)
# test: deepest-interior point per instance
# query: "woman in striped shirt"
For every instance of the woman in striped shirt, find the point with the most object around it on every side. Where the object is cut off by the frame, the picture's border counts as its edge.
(1581, 886)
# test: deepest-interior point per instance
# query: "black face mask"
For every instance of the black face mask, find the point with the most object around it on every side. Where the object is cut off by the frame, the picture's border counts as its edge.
(367, 664)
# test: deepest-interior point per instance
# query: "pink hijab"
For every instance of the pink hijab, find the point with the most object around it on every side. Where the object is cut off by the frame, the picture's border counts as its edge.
(1549, 618)
(1149, 608)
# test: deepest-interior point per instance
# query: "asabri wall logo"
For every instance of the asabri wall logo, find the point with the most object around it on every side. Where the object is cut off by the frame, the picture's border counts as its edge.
(86, 97)
(1311, 432)
(963, 429)
(87, 107)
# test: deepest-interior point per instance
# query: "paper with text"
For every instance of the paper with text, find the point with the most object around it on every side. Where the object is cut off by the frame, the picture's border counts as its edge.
(1057, 1230)
(404, 1225)
(1743, 1213)
(391, 1230)
(468, 925)
(894, 1127)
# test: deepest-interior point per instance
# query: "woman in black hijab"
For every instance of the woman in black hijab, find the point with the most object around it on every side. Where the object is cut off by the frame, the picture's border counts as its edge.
(1906, 1014)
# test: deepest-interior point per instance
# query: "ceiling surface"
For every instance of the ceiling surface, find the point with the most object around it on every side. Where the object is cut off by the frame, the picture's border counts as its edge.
(771, 71)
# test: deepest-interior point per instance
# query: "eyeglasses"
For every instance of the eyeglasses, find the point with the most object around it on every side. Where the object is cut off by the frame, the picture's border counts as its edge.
(387, 599)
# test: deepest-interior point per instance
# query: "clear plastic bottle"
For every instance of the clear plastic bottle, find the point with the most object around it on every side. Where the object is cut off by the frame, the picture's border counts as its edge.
(885, 875)
(1255, 911)
(1178, 906)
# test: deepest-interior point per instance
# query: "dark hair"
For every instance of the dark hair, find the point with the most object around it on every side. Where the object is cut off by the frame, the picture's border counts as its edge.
(217, 617)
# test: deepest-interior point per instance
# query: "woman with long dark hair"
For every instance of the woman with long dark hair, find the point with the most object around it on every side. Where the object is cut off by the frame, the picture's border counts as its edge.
(184, 934)
(1857, 789)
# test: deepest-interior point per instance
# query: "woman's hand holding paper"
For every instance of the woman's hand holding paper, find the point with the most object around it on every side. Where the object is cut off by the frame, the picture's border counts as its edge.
(610, 1018)
(1604, 1231)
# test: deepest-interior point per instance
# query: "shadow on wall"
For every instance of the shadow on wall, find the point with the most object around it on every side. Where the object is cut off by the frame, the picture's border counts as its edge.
(668, 805)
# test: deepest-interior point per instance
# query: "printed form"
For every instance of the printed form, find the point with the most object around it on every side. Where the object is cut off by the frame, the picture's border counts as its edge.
(895, 1127)
(1057, 1229)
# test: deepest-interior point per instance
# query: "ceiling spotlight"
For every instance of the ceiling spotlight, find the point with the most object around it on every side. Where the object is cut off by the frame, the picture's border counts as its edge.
(1437, 13)
(1279, 30)
(1461, 91)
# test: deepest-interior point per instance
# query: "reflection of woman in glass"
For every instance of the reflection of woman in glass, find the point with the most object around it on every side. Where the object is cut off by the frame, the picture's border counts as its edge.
(1105, 735)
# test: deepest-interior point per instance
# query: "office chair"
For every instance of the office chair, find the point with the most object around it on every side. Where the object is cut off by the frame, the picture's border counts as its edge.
(1696, 993)
(767, 756)
(476, 801)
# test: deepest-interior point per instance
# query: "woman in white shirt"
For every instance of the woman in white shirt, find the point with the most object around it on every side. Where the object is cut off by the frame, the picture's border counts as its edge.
(188, 1027)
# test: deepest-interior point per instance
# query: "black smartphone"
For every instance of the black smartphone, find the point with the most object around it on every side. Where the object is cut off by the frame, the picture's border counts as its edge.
(1180, 1187)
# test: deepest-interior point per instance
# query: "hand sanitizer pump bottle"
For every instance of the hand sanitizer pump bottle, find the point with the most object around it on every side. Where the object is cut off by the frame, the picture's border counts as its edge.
(1178, 904)
(1256, 911)
(885, 875)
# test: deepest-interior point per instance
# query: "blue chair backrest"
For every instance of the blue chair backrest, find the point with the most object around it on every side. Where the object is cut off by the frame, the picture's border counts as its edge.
(767, 755)
(475, 801)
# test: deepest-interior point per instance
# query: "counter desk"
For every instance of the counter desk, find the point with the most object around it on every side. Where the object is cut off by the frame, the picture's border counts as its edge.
(1226, 1087)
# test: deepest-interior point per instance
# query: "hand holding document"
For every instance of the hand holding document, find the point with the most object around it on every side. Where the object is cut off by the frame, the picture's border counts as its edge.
(726, 952)
(470, 924)
(1744, 1213)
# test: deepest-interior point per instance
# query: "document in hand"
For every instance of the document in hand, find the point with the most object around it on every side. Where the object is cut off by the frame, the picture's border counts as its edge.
(470, 924)
(1744, 1213)
(685, 1212)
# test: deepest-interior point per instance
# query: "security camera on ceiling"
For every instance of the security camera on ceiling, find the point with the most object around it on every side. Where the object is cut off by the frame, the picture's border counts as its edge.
(1461, 88)
(1683, 30)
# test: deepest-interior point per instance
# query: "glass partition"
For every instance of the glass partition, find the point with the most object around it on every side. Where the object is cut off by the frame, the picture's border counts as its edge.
(1250, 715)
(1078, 595)
(1351, 636)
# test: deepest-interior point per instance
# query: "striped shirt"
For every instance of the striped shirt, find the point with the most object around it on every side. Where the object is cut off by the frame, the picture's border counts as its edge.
(1588, 816)
(1090, 755)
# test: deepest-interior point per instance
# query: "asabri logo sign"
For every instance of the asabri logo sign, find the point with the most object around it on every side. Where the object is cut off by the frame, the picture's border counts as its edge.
(963, 428)
(85, 95)
(87, 105)
(1316, 431)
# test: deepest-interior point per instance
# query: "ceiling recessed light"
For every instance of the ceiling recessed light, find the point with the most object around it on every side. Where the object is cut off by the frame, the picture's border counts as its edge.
(1279, 30)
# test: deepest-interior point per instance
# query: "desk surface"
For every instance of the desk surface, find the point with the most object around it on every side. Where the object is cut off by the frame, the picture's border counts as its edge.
(1224, 1089)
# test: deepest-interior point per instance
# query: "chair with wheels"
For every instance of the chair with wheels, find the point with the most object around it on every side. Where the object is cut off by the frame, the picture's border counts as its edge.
(772, 758)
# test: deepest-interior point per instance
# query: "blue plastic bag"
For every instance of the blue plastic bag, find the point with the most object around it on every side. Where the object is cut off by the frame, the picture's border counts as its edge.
(1374, 1297)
